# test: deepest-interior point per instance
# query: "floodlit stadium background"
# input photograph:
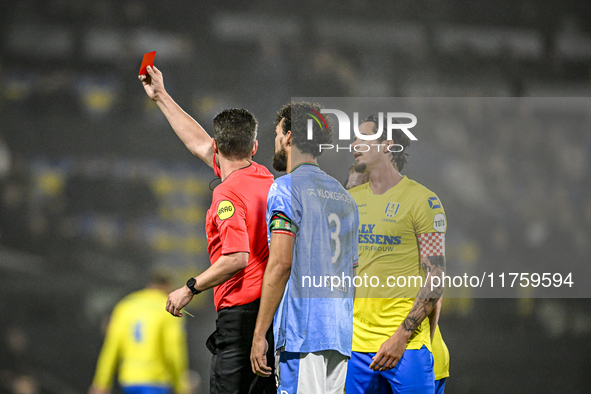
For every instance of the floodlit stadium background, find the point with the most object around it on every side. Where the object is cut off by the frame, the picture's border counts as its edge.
(95, 188)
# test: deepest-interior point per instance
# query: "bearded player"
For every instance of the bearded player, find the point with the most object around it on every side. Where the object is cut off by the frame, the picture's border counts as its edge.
(313, 223)
(402, 230)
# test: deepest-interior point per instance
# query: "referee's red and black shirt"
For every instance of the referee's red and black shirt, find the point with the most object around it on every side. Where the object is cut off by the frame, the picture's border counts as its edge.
(236, 222)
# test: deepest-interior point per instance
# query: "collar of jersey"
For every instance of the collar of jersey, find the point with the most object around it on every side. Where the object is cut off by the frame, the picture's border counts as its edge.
(238, 169)
(398, 186)
(301, 164)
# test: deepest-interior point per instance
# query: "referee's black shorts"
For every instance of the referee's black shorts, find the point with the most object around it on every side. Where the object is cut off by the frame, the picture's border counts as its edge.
(230, 345)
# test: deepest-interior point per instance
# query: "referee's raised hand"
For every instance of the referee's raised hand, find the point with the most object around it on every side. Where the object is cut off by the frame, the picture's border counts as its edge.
(177, 300)
(153, 83)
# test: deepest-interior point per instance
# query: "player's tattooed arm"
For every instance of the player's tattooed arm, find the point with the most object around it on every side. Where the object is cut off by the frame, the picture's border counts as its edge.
(429, 294)
(432, 252)
(186, 128)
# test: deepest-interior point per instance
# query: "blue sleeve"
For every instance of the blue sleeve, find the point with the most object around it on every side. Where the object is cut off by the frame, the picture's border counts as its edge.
(279, 198)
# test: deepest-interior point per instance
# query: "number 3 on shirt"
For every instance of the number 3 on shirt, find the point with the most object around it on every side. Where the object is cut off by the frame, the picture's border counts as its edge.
(334, 235)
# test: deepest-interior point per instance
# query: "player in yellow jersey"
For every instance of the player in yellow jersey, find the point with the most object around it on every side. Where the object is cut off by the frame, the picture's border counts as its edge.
(402, 230)
(438, 346)
(146, 344)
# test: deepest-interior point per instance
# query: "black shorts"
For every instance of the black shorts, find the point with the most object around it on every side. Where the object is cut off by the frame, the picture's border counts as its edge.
(230, 345)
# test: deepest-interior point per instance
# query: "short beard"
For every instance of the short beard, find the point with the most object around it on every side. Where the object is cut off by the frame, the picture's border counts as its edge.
(360, 168)
(280, 160)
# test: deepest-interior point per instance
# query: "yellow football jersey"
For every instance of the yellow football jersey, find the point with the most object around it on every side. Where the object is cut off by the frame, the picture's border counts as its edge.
(145, 342)
(388, 249)
(440, 356)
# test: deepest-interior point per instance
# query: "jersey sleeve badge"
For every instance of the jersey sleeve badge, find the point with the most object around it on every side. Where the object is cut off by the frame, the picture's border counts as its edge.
(434, 203)
(225, 210)
(439, 223)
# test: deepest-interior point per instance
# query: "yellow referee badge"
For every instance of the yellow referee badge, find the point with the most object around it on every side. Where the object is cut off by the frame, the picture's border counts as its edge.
(225, 210)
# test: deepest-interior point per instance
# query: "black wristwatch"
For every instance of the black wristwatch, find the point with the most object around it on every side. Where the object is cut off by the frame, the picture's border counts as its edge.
(191, 285)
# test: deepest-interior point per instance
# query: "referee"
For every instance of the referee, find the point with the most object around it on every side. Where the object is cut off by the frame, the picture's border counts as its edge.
(236, 236)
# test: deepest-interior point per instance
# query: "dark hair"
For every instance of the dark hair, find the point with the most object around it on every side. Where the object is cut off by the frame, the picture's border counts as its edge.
(398, 136)
(296, 119)
(235, 131)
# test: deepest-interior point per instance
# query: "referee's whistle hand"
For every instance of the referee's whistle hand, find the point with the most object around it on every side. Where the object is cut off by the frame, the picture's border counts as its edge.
(258, 357)
(177, 300)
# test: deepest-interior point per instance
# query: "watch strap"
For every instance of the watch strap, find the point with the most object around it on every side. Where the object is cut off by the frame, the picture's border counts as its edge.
(191, 285)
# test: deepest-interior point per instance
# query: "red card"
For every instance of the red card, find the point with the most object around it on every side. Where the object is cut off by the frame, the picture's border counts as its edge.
(148, 61)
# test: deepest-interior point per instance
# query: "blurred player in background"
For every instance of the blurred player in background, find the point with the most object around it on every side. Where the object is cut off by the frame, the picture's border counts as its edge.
(236, 235)
(313, 225)
(146, 345)
(438, 346)
(402, 229)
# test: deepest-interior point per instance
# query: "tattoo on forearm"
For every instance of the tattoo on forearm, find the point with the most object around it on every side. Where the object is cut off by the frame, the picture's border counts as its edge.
(426, 298)
(434, 262)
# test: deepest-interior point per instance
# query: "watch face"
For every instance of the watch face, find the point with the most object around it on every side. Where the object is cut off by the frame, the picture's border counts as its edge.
(191, 282)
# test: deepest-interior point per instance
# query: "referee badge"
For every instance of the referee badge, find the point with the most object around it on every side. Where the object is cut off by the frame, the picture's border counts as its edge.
(225, 210)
